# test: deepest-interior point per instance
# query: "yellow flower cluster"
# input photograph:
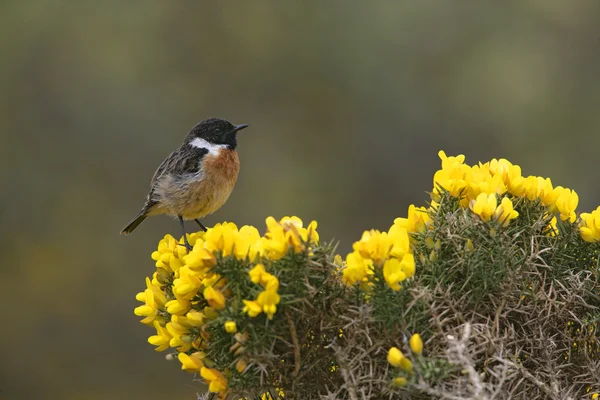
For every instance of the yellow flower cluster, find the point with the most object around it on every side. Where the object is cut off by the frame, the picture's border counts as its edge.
(480, 186)
(268, 299)
(486, 206)
(488, 190)
(397, 359)
(285, 234)
(417, 221)
(185, 293)
(590, 226)
(389, 251)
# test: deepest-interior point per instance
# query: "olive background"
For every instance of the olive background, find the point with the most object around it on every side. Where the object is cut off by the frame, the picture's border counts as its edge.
(348, 104)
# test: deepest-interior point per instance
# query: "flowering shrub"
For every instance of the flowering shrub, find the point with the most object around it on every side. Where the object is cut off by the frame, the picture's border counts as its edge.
(497, 273)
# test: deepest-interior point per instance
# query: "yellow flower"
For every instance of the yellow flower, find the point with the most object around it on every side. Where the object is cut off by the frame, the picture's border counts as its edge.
(393, 273)
(187, 285)
(374, 245)
(179, 338)
(285, 234)
(230, 327)
(400, 240)
(395, 357)
(192, 319)
(256, 273)
(217, 383)
(246, 243)
(515, 183)
(406, 364)
(594, 396)
(192, 362)
(168, 255)
(195, 318)
(252, 308)
(547, 194)
(452, 161)
(274, 242)
(221, 238)
(408, 265)
(161, 339)
(531, 190)
(178, 306)
(356, 268)
(312, 235)
(146, 311)
(265, 279)
(200, 258)
(481, 180)
(215, 298)
(501, 167)
(399, 381)
(590, 226)
(296, 235)
(268, 300)
(417, 220)
(484, 205)
(293, 233)
(270, 282)
(416, 344)
(291, 221)
(451, 177)
(155, 300)
(210, 279)
(505, 212)
(566, 203)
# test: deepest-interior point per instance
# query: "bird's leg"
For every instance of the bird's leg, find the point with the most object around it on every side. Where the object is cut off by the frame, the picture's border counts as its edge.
(187, 244)
(200, 224)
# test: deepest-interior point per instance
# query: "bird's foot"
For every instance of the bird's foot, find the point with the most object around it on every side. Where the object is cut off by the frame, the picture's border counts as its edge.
(187, 246)
(200, 225)
(185, 239)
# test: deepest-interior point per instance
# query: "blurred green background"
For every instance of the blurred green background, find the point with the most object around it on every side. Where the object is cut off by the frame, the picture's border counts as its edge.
(348, 104)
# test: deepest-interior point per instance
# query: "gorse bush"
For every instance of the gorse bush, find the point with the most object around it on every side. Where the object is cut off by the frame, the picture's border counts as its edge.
(490, 291)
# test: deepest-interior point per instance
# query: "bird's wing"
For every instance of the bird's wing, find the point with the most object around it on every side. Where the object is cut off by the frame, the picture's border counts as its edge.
(162, 168)
(187, 161)
(181, 162)
(160, 171)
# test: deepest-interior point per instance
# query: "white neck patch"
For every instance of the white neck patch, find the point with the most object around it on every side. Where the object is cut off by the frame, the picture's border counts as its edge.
(213, 149)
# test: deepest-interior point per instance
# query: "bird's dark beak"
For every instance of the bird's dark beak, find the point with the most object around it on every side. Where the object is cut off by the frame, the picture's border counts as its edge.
(240, 127)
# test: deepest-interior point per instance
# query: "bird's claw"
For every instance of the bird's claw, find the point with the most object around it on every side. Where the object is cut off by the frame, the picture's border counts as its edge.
(187, 246)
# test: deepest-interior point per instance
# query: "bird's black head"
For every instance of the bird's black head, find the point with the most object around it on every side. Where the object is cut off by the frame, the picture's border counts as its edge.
(215, 131)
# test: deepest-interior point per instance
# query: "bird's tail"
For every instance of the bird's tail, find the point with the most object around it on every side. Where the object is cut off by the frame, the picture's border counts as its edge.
(138, 219)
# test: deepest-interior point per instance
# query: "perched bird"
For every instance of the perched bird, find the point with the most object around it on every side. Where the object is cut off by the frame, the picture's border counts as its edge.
(196, 179)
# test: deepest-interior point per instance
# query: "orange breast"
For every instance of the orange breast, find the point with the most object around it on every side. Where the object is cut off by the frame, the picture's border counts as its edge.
(219, 174)
(224, 167)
